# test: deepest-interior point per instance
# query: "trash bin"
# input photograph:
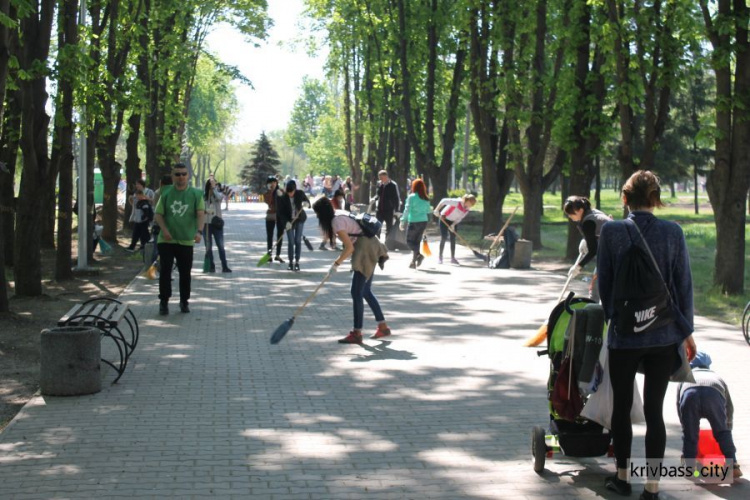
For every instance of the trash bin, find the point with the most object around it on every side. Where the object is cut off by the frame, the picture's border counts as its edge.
(522, 255)
(70, 362)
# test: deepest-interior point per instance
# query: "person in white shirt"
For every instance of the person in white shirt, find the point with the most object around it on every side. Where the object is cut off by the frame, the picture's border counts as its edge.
(451, 211)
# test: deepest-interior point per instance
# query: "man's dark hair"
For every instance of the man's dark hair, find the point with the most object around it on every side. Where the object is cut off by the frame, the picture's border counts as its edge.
(179, 165)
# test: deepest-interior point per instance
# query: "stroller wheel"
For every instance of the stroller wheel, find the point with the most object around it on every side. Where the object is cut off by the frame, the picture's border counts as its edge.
(538, 448)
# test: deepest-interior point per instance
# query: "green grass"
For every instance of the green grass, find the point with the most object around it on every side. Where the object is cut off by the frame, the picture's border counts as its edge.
(700, 235)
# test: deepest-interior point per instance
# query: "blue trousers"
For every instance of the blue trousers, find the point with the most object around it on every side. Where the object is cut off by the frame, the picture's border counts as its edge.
(704, 402)
(361, 291)
(294, 238)
(212, 234)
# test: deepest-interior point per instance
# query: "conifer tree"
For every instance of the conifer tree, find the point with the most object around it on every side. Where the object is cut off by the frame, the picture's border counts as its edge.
(264, 161)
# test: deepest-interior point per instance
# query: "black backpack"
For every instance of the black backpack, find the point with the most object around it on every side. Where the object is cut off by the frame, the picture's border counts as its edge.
(147, 210)
(369, 224)
(642, 301)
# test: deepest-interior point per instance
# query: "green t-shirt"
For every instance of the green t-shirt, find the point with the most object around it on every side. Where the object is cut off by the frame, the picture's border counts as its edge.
(180, 212)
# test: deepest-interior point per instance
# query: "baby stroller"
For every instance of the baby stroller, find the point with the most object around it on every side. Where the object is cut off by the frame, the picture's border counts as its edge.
(574, 339)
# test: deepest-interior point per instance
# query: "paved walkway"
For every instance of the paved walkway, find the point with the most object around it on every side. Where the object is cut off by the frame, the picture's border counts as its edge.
(208, 408)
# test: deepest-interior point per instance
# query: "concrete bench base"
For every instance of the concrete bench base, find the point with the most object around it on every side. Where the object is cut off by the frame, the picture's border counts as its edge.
(70, 361)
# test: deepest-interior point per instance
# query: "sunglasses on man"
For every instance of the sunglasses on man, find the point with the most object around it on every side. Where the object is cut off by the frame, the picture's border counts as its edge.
(180, 174)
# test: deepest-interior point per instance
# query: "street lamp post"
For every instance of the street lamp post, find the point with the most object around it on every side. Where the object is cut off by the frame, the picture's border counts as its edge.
(83, 208)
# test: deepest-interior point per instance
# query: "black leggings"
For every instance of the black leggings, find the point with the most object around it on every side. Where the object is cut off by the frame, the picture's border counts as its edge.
(658, 365)
(270, 226)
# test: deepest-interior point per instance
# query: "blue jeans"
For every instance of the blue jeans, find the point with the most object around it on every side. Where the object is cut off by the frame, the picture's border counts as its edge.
(294, 239)
(362, 290)
(212, 234)
(704, 402)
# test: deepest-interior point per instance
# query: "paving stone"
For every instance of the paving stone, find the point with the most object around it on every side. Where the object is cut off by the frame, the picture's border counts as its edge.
(443, 409)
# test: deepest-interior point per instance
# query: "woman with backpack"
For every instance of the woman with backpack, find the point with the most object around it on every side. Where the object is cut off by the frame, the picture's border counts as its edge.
(142, 203)
(366, 252)
(213, 230)
(653, 342)
(414, 220)
(589, 222)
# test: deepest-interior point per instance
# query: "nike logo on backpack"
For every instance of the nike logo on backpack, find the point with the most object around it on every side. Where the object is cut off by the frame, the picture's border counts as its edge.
(639, 329)
(641, 316)
(645, 314)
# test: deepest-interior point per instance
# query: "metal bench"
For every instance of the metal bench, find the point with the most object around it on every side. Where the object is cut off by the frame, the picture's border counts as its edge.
(111, 317)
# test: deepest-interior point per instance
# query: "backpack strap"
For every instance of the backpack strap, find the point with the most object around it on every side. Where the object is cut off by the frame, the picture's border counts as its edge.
(648, 249)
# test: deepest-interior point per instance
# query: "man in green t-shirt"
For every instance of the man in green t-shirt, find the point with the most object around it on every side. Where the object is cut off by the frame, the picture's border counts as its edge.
(180, 213)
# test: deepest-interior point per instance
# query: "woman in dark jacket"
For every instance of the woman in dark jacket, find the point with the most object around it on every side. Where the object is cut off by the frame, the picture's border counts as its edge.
(291, 215)
(589, 222)
(655, 350)
(270, 197)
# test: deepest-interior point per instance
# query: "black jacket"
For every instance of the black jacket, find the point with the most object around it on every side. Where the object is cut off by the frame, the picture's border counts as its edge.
(284, 207)
(388, 199)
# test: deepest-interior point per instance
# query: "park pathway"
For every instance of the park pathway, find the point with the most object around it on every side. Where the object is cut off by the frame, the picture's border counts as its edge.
(209, 409)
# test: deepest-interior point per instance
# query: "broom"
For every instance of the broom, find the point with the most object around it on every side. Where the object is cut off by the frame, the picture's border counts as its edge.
(267, 256)
(150, 272)
(465, 243)
(284, 328)
(104, 247)
(496, 241)
(307, 243)
(541, 333)
(425, 250)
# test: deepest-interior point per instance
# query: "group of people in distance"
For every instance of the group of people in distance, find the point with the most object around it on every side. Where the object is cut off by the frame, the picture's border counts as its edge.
(657, 352)
(285, 213)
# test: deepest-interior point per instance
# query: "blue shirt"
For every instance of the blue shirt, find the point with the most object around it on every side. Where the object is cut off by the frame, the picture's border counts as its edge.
(667, 243)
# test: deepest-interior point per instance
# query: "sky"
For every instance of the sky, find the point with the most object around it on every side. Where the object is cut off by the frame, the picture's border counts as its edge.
(276, 69)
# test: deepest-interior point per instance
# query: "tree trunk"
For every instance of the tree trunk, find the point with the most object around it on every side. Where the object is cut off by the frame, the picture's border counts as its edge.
(361, 195)
(532, 211)
(401, 155)
(728, 182)
(67, 36)
(493, 142)
(36, 31)
(8, 156)
(48, 215)
(530, 156)
(132, 161)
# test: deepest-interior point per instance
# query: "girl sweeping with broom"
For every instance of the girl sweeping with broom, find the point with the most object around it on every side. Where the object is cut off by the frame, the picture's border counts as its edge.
(365, 253)
(451, 211)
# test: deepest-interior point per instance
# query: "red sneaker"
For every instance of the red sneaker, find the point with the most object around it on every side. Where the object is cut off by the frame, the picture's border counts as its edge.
(352, 338)
(381, 332)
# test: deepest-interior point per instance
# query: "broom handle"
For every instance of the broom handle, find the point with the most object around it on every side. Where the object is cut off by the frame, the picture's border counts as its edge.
(299, 309)
(567, 282)
(502, 231)
(456, 233)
